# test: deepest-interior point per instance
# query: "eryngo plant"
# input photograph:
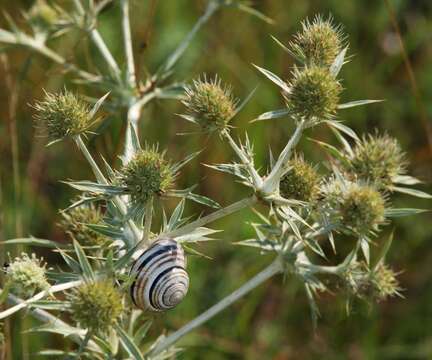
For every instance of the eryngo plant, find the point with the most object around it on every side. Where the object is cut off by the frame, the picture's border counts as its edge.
(118, 267)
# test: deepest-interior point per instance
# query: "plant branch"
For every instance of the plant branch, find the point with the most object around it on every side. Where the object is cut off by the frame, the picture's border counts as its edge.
(102, 180)
(127, 39)
(213, 216)
(257, 181)
(25, 303)
(100, 44)
(272, 181)
(274, 268)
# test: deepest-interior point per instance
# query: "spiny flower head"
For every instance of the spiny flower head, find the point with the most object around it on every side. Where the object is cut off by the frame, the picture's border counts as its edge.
(26, 274)
(376, 284)
(63, 115)
(301, 182)
(96, 306)
(362, 208)
(378, 159)
(314, 94)
(75, 221)
(319, 42)
(210, 104)
(147, 174)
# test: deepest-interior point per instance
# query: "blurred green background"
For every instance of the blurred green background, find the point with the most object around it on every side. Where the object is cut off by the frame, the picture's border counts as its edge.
(273, 321)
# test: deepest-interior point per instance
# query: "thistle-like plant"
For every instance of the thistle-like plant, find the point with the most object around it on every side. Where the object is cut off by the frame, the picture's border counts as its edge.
(348, 199)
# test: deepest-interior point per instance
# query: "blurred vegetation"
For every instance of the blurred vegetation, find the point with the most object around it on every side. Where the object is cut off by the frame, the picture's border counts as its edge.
(273, 321)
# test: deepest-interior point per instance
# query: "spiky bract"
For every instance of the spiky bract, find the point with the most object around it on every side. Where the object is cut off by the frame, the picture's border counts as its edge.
(63, 115)
(96, 306)
(25, 275)
(314, 94)
(210, 104)
(147, 174)
(301, 182)
(75, 221)
(319, 42)
(377, 159)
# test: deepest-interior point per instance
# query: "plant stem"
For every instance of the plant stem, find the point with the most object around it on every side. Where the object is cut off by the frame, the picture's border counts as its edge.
(148, 221)
(102, 180)
(127, 39)
(100, 44)
(76, 334)
(272, 181)
(257, 181)
(53, 289)
(274, 268)
(213, 216)
(133, 116)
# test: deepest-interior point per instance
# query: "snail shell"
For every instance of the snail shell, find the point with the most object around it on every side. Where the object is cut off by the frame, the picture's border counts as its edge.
(160, 278)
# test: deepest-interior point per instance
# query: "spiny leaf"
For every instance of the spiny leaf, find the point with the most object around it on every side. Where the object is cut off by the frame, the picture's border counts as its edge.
(274, 114)
(274, 78)
(357, 103)
(87, 270)
(128, 344)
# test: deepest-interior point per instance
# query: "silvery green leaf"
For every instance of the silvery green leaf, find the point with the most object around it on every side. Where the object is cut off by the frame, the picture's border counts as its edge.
(315, 314)
(187, 194)
(125, 259)
(50, 305)
(71, 262)
(106, 230)
(343, 141)
(265, 244)
(31, 241)
(238, 170)
(135, 141)
(174, 91)
(345, 129)
(199, 234)
(243, 6)
(87, 270)
(384, 250)
(357, 103)
(412, 192)
(274, 78)
(176, 167)
(406, 180)
(128, 344)
(245, 101)
(92, 187)
(285, 48)
(108, 168)
(188, 118)
(142, 331)
(97, 105)
(332, 150)
(400, 212)
(338, 62)
(274, 114)
(364, 245)
(176, 216)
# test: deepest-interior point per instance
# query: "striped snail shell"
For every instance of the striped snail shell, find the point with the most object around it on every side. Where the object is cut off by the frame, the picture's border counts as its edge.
(160, 278)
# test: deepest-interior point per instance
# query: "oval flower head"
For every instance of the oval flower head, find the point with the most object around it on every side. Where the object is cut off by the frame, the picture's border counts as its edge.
(63, 115)
(210, 104)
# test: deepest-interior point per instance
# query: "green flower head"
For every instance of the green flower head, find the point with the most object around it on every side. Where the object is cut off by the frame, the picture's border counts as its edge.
(301, 182)
(319, 42)
(96, 306)
(361, 208)
(63, 115)
(377, 159)
(75, 221)
(314, 94)
(210, 104)
(147, 174)
(25, 275)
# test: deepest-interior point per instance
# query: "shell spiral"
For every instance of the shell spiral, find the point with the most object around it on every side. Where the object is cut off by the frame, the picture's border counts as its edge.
(160, 278)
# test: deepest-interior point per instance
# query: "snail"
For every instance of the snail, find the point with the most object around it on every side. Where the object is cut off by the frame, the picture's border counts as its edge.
(160, 278)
